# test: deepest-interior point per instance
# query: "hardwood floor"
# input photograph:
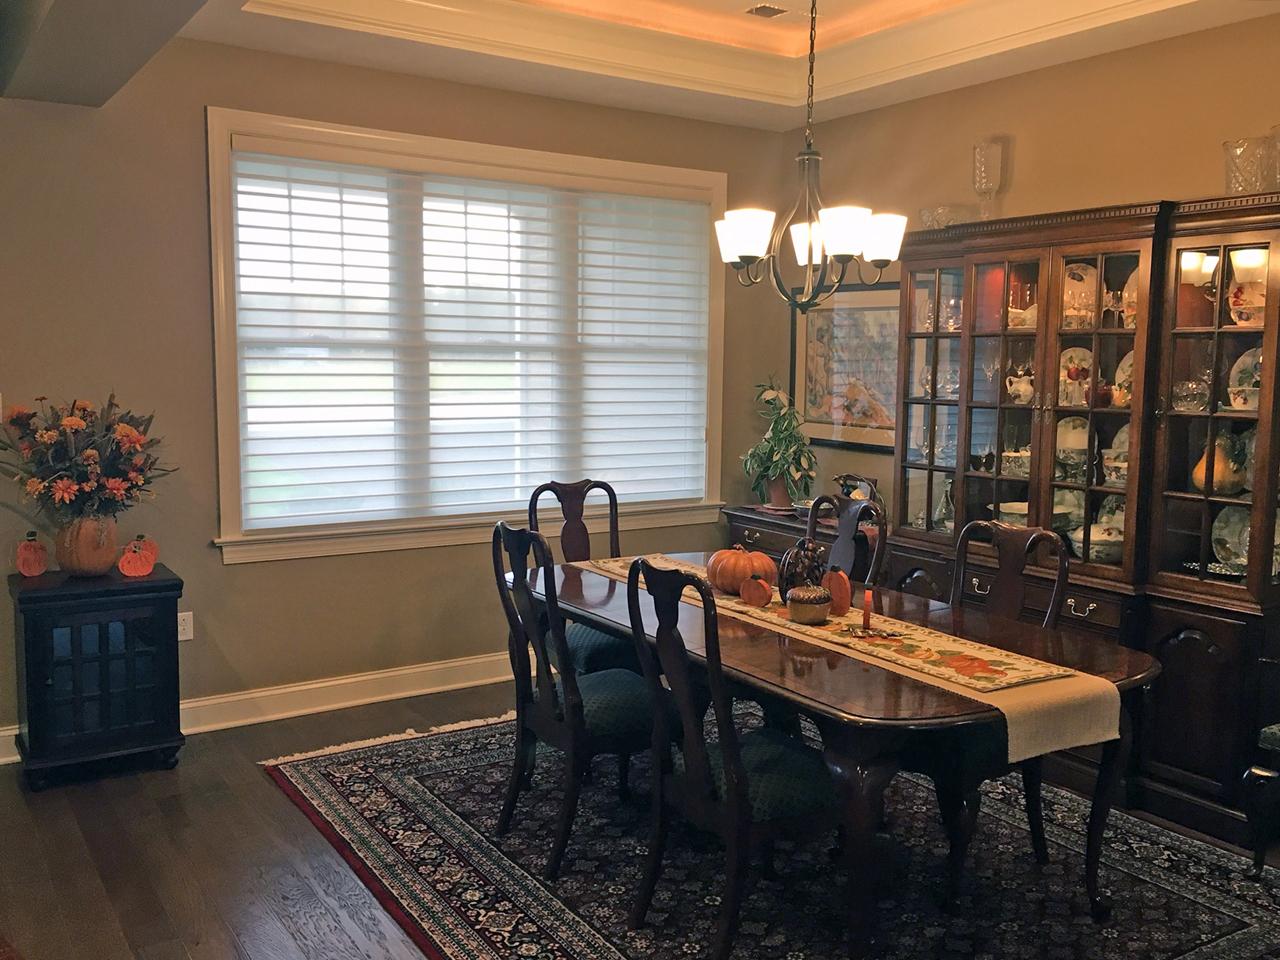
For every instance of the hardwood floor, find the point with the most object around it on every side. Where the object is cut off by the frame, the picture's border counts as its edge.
(207, 861)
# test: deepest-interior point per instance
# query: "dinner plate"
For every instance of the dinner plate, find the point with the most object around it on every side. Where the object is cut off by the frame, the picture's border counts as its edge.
(1129, 299)
(1250, 439)
(1073, 433)
(1124, 371)
(1111, 510)
(1121, 441)
(1071, 393)
(1230, 535)
(1247, 371)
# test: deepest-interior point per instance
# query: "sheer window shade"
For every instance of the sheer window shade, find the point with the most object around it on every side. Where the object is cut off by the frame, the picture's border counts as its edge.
(415, 346)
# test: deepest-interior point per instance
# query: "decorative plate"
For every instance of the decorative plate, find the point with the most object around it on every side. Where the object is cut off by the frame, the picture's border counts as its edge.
(1230, 535)
(1111, 511)
(1068, 504)
(1121, 442)
(1124, 371)
(1080, 296)
(1250, 437)
(1130, 300)
(1075, 368)
(1247, 371)
(1073, 434)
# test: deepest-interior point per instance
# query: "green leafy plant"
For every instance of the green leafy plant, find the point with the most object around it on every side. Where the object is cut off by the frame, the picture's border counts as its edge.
(783, 453)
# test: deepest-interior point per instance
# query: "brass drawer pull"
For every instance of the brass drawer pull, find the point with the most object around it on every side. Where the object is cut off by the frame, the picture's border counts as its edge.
(1071, 606)
(977, 587)
(750, 536)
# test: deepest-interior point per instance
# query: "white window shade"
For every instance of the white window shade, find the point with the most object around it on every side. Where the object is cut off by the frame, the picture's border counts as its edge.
(414, 346)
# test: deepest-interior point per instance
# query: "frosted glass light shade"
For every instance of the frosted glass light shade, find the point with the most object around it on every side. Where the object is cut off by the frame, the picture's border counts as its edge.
(800, 239)
(1249, 265)
(884, 237)
(1198, 267)
(745, 233)
(844, 230)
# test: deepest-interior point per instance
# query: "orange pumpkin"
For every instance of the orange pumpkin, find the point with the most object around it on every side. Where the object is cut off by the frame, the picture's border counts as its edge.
(137, 560)
(727, 569)
(756, 591)
(33, 557)
(147, 546)
(837, 583)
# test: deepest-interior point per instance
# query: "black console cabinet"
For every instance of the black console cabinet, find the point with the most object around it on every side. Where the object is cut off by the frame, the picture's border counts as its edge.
(97, 669)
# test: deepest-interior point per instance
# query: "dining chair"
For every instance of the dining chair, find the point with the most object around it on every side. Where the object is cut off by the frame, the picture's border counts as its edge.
(960, 761)
(601, 713)
(852, 551)
(589, 648)
(749, 789)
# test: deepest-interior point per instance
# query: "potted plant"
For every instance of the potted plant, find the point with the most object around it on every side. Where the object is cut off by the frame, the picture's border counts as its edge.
(82, 466)
(781, 467)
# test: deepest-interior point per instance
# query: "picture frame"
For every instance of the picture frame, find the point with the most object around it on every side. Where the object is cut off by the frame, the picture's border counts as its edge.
(844, 367)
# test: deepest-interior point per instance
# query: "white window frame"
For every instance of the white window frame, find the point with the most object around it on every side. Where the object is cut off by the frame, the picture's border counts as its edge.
(230, 130)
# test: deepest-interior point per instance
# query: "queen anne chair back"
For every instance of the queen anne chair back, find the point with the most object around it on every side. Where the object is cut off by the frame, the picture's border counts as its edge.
(1014, 547)
(575, 541)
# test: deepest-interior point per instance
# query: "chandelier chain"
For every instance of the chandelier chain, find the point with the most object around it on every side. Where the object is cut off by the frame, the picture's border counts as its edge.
(813, 36)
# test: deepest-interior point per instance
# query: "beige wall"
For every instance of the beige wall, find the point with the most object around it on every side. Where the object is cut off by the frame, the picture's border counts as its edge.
(104, 264)
(1143, 124)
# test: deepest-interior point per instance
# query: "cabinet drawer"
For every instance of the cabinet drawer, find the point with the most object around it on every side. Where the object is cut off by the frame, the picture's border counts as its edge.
(773, 542)
(1080, 608)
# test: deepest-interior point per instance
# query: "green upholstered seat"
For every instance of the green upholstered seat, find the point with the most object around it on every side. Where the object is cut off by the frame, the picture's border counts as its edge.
(616, 707)
(785, 778)
(1269, 738)
(593, 650)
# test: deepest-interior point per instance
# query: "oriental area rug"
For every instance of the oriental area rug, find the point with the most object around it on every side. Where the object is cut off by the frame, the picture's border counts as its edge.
(414, 816)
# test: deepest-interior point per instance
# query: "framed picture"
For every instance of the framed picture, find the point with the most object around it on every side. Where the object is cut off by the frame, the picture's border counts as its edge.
(844, 367)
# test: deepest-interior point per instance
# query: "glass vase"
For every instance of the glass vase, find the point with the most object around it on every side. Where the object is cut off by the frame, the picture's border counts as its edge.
(1251, 164)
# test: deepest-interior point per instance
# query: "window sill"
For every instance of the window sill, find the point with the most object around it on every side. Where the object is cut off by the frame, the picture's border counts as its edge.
(299, 544)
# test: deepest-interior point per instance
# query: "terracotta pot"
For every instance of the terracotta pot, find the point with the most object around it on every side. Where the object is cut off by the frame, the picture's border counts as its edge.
(778, 496)
(87, 547)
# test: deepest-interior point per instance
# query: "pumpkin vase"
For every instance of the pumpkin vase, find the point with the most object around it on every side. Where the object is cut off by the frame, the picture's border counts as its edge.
(87, 547)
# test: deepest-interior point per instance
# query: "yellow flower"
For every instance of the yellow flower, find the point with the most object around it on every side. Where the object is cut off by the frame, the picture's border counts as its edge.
(72, 424)
(46, 436)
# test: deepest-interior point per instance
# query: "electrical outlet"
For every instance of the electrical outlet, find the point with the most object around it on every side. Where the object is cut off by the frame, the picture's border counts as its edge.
(186, 626)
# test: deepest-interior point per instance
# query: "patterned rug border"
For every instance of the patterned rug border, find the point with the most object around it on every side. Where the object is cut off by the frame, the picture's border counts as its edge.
(376, 886)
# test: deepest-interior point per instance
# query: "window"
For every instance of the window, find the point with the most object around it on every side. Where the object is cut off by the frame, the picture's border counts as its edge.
(415, 346)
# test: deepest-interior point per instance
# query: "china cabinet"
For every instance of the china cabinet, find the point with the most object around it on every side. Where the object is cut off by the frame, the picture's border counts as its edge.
(1107, 374)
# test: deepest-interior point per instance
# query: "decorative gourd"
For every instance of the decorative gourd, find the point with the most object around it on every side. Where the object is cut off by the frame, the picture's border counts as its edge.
(33, 557)
(147, 546)
(837, 582)
(1229, 473)
(727, 569)
(809, 604)
(756, 591)
(137, 560)
(801, 564)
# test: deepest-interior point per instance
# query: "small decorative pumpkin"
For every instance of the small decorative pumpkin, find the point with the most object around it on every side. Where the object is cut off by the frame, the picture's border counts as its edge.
(728, 569)
(137, 559)
(837, 583)
(809, 604)
(147, 546)
(33, 556)
(801, 564)
(756, 591)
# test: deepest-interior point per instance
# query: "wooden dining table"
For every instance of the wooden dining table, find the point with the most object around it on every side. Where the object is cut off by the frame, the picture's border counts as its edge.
(867, 714)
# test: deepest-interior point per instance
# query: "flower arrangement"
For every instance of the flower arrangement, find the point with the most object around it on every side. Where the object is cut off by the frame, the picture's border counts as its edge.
(77, 461)
(781, 467)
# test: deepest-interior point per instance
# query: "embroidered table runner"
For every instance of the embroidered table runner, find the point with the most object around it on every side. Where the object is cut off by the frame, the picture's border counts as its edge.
(1047, 707)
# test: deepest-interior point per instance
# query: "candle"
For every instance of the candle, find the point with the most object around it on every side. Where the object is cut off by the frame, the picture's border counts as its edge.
(866, 607)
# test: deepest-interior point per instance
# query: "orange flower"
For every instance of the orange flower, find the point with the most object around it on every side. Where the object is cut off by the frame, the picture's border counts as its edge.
(89, 486)
(128, 438)
(72, 424)
(18, 416)
(81, 405)
(136, 478)
(90, 456)
(970, 666)
(64, 490)
(117, 489)
(35, 487)
(47, 436)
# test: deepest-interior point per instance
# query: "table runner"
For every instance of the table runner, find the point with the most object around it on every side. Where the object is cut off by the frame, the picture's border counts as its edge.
(1047, 707)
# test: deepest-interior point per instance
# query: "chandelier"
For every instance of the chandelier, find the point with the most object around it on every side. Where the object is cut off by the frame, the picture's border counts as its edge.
(826, 240)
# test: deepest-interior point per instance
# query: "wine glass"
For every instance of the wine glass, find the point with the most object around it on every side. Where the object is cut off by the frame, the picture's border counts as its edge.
(988, 168)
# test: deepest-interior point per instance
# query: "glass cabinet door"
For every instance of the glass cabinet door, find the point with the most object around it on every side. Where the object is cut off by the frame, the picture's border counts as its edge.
(931, 427)
(1212, 473)
(1093, 369)
(1001, 387)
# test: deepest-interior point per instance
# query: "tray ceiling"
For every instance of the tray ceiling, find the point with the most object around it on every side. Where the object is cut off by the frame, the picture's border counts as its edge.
(708, 58)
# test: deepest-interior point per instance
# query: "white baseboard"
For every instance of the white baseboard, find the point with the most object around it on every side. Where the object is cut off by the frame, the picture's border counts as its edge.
(202, 714)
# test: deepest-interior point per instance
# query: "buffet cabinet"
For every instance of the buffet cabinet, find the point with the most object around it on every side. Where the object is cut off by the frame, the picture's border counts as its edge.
(1110, 374)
